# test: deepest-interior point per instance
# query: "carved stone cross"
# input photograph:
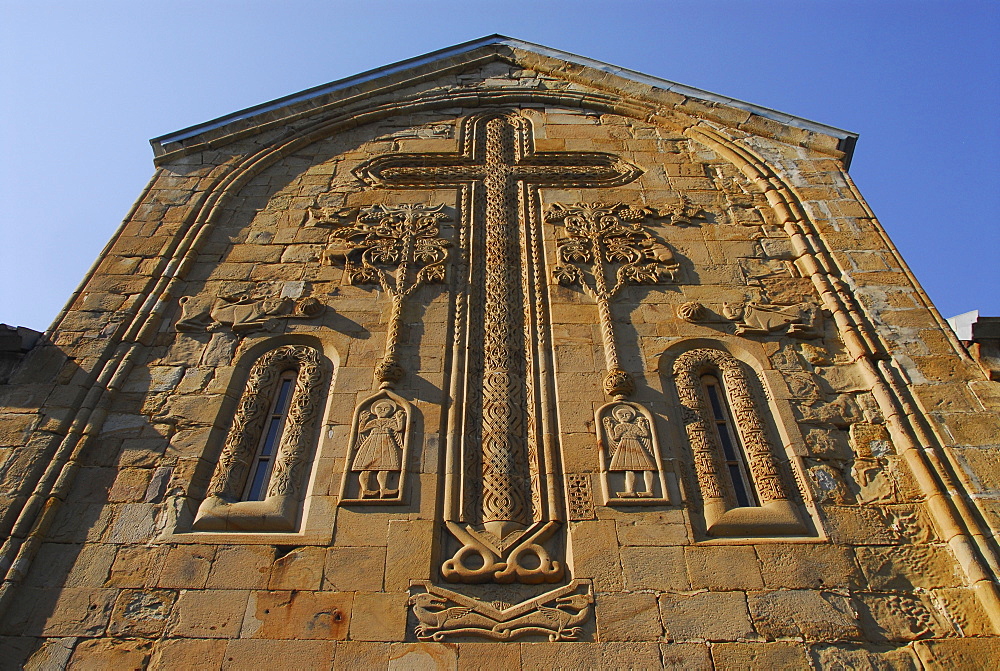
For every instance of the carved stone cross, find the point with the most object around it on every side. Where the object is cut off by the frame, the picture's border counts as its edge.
(496, 163)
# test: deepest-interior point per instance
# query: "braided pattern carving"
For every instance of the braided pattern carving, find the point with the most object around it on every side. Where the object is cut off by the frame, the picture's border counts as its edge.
(699, 423)
(244, 435)
(503, 440)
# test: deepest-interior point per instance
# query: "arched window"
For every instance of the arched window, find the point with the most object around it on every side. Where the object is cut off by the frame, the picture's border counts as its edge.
(260, 477)
(741, 484)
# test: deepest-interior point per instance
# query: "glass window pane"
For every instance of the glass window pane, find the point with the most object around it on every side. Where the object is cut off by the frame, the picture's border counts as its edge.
(256, 491)
(279, 407)
(713, 397)
(272, 434)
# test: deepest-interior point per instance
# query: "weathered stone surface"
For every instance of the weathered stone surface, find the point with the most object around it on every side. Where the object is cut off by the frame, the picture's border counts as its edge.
(241, 566)
(104, 653)
(298, 615)
(628, 617)
(141, 613)
(354, 569)
(966, 653)
(186, 567)
(686, 656)
(302, 568)
(654, 568)
(423, 656)
(741, 656)
(855, 656)
(567, 655)
(184, 653)
(255, 654)
(361, 655)
(408, 555)
(812, 615)
(595, 554)
(712, 616)
(808, 566)
(208, 614)
(378, 617)
(899, 617)
(723, 568)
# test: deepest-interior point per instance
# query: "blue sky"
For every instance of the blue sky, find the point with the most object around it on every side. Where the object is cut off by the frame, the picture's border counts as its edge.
(84, 85)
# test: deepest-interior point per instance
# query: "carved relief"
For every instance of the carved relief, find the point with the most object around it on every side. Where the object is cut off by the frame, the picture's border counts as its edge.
(499, 494)
(581, 500)
(803, 320)
(776, 514)
(397, 247)
(222, 509)
(630, 455)
(378, 451)
(257, 310)
(692, 311)
(557, 615)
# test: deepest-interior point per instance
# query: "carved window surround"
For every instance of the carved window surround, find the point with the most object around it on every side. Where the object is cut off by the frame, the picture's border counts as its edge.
(222, 509)
(777, 514)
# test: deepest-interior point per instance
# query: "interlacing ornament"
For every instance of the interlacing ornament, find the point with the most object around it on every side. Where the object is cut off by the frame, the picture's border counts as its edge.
(397, 247)
(608, 247)
(700, 426)
(502, 402)
(241, 443)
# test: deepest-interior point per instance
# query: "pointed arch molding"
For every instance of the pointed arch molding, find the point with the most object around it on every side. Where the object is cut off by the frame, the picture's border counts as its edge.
(222, 509)
(921, 446)
(777, 515)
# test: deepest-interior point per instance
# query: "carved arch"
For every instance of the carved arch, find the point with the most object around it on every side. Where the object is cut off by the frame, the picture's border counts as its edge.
(222, 509)
(776, 514)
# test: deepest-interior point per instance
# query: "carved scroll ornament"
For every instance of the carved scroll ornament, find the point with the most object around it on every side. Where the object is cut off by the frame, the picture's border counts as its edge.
(777, 514)
(223, 509)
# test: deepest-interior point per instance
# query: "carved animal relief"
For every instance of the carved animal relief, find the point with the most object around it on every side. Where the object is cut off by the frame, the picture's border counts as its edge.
(802, 320)
(556, 615)
(257, 310)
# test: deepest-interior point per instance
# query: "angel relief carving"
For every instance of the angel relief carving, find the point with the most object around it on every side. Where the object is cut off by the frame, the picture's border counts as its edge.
(630, 455)
(378, 450)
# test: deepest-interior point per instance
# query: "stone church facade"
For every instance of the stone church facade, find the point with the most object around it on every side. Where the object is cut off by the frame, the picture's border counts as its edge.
(497, 358)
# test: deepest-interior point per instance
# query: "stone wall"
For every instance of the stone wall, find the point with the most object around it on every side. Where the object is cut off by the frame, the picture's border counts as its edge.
(601, 247)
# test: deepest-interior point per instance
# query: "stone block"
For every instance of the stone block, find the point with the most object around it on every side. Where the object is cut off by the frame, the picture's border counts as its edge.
(651, 530)
(26, 653)
(656, 568)
(186, 567)
(188, 653)
(141, 613)
(298, 615)
(361, 655)
(723, 567)
(208, 614)
(302, 568)
(135, 566)
(902, 568)
(630, 655)
(134, 523)
(812, 615)
(854, 656)
(259, 654)
(354, 569)
(628, 617)
(959, 653)
(712, 616)
(801, 566)
(109, 653)
(561, 655)
(378, 617)
(241, 567)
(595, 554)
(685, 656)
(423, 656)
(491, 656)
(899, 617)
(743, 656)
(408, 555)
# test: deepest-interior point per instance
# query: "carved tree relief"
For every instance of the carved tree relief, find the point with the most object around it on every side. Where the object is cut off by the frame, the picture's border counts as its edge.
(502, 504)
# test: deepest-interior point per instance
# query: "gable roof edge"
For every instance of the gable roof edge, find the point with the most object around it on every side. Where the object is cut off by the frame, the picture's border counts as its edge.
(847, 139)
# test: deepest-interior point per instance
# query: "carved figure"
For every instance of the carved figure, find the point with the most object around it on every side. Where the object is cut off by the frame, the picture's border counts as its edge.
(244, 313)
(692, 311)
(629, 449)
(380, 451)
(556, 615)
(802, 320)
